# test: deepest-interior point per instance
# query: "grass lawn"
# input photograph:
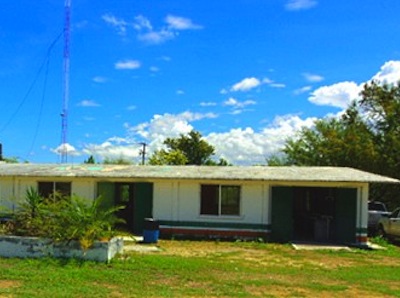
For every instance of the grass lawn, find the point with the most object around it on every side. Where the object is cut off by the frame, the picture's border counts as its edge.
(212, 269)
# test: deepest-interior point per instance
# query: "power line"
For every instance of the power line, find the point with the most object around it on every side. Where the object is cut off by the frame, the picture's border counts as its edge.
(32, 85)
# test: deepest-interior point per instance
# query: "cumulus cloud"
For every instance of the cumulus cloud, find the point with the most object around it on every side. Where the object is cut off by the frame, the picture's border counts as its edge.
(389, 73)
(208, 104)
(99, 79)
(336, 95)
(180, 23)
(302, 90)
(145, 31)
(294, 5)
(113, 149)
(341, 94)
(246, 84)
(233, 102)
(167, 125)
(241, 146)
(88, 103)
(244, 146)
(127, 64)
(67, 149)
(313, 78)
(119, 24)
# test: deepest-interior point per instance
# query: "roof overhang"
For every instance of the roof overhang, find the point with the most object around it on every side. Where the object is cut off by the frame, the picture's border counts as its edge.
(248, 173)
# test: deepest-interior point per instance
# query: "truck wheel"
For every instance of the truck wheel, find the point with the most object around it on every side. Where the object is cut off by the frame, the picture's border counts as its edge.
(381, 232)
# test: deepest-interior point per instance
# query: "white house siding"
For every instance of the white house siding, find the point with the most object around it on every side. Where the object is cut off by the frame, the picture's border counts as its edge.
(7, 195)
(165, 200)
(177, 206)
(180, 201)
(176, 203)
(84, 188)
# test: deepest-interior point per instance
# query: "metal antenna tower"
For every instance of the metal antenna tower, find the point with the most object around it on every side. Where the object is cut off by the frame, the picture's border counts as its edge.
(64, 113)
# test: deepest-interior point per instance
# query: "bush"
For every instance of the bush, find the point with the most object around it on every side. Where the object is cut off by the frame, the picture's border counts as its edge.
(63, 219)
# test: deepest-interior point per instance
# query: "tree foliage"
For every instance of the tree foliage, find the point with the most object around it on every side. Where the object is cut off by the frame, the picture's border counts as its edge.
(188, 149)
(366, 137)
(117, 161)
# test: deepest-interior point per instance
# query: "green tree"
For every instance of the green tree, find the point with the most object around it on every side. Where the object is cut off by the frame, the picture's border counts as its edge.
(117, 161)
(90, 160)
(366, 137)
(347, 141)
(163, 157)
(188, 149)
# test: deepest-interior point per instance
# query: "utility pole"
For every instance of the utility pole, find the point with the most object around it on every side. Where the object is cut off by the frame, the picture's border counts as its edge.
(64, 113)
(142, 152)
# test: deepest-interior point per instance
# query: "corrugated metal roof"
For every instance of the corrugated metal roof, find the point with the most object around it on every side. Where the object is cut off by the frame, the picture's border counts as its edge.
(253, 173)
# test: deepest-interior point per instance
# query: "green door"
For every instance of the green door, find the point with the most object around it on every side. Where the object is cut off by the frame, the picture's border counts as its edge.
(282, 214)
(143, 205)
(346, 214)
(106, 190)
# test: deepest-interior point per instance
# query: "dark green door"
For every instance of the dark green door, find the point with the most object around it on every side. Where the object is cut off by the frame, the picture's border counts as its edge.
(106, 190)
(346, 214)
(282, 214)
(142, 206)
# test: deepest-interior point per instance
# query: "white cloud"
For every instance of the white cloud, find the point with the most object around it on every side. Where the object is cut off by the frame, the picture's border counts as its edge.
(67, 149)
(119, 24)
(208, 104)
(341, 94)
(277, 85)
(156, 37)
(148, 34)
(113, 148)
(166, 125)
(154, 69)
(180, 92)
(127, 64)
(88, 103)
(300, 4)
(99, 79)
(180, 23)
(336, 95)
(389, 73)
(240, 146)
(248, 147)
(267, 81)
(273, 84)
(233, 102)
(131, 108)
(142, 23)
(246, 84)
(302, 90)
(313, 78)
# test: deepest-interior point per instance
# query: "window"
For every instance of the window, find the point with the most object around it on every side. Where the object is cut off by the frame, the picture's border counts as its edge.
(49, 189)
(220, 200)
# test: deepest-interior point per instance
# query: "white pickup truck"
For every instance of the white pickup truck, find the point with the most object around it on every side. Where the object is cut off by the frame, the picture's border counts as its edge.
(376, 210)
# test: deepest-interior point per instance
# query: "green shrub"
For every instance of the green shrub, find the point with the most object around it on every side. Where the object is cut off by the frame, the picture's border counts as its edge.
(64, 219)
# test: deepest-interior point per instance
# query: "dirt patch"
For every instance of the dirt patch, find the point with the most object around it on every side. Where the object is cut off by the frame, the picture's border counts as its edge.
(195, 248)
(5, 284)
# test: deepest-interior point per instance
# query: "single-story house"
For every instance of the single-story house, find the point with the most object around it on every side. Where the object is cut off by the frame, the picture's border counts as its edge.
(283, 204)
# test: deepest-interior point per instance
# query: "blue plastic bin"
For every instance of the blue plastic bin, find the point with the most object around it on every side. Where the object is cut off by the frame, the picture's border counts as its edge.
(151, 230)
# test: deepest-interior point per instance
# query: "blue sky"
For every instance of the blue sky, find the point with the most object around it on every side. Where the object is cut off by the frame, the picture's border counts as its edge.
(246, 74)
